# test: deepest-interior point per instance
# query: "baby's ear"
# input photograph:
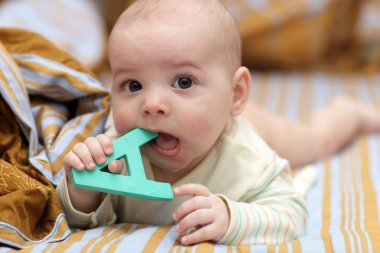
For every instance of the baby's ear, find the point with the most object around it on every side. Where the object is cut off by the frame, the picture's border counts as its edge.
(241, 90)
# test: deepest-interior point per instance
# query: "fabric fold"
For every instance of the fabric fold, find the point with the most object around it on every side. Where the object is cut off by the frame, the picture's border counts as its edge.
(48, 103)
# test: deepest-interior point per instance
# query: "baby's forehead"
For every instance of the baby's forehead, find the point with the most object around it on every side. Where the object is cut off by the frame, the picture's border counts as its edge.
(205, 19)
(208, 12)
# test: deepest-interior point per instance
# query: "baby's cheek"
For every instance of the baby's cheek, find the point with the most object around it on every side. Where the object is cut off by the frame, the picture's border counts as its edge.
(203, 129)
(122, 121)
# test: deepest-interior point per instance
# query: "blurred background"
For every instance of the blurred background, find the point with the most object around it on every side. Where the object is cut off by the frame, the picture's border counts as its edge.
(331, 35)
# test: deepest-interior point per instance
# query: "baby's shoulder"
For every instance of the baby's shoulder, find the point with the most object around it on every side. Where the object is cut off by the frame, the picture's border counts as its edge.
(242, 135)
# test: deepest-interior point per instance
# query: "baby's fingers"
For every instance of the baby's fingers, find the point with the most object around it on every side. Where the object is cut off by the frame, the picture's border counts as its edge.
(106, 143)
(115, 166)
(199, 217)
(203, 234)
(191, 190)
(96, 150)
(190, 206)
(72, 161)
(84, 154)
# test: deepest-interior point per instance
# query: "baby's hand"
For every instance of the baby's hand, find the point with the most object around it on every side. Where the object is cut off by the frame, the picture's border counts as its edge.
(85, 155)
(205, 211)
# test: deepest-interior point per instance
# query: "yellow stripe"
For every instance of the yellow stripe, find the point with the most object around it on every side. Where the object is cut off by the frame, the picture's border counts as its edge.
(229, 249)
(243, 249)
(13, 96)
(205, 247)
(49, 134)
(156, 239)
(111, 236)
(371, 222)
(104, 235)
(358, 168)
(57, 164)
(326, 209)
(283, 248)
(271, 249)
(60, 93)
(296, 245)
(74, 237)
(93, 121)
(62, 114)
(362, 237)
(71, 79)
(344, 171)
(189, 249)
(50, 112)
(24, 42)
(177, 243)
(62, 229)
(127, 231)
(91, 242)
(27, 250)
(12, 68)
(47, 248)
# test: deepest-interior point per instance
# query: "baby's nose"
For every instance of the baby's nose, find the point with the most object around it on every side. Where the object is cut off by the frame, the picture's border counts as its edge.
(155, 107)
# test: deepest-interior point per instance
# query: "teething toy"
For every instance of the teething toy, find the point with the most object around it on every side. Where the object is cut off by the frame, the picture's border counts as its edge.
(135, 184)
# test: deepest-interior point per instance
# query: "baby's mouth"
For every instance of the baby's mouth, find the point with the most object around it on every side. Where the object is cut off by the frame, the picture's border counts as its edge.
(166, 144)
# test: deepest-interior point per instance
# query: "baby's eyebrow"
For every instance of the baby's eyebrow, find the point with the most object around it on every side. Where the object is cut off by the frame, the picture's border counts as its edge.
(123, 70)
(182, 64)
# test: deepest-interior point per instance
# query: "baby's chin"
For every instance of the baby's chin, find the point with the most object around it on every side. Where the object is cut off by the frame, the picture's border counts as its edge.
(169, 171)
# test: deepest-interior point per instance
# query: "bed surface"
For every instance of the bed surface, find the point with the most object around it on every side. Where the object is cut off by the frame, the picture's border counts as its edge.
(343, 202)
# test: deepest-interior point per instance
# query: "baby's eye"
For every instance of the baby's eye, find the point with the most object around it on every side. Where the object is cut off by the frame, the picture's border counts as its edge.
(132, 86)
(183, 83)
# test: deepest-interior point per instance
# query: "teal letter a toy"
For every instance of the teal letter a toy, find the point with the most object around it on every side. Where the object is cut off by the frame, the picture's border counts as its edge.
(135, 184)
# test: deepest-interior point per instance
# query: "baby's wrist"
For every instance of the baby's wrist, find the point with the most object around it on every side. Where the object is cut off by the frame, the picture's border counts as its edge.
(82, 193)
(83, 200)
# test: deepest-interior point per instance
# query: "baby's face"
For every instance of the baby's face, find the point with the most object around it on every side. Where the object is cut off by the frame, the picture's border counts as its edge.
(170, 80)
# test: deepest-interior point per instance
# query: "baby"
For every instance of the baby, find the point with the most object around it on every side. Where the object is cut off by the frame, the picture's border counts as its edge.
(177, 71)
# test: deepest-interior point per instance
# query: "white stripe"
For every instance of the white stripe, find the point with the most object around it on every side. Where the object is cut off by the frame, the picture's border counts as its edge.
(136, 241)
(273, 96)
(293, 96)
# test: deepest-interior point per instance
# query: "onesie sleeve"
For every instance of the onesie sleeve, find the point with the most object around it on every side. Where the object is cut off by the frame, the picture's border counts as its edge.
(103, 215)
(271, 212)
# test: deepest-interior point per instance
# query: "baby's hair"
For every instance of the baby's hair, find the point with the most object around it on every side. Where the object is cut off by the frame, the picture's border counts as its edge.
(212, 11)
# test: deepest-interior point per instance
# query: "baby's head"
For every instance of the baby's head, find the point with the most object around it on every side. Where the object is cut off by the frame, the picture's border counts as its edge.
(176, 70)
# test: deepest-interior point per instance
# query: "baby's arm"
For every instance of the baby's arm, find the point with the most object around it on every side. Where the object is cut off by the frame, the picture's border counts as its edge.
(273, 211)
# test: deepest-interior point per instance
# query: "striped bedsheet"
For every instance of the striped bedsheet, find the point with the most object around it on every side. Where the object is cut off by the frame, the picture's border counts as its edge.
(343, 202)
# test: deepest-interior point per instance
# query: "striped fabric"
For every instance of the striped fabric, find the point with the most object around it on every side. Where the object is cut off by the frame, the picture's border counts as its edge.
(343, 203)
(41, 90)
(83, 35)
(56, 103)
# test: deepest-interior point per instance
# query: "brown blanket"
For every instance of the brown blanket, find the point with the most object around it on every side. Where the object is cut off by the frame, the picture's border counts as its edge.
(27, 199)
